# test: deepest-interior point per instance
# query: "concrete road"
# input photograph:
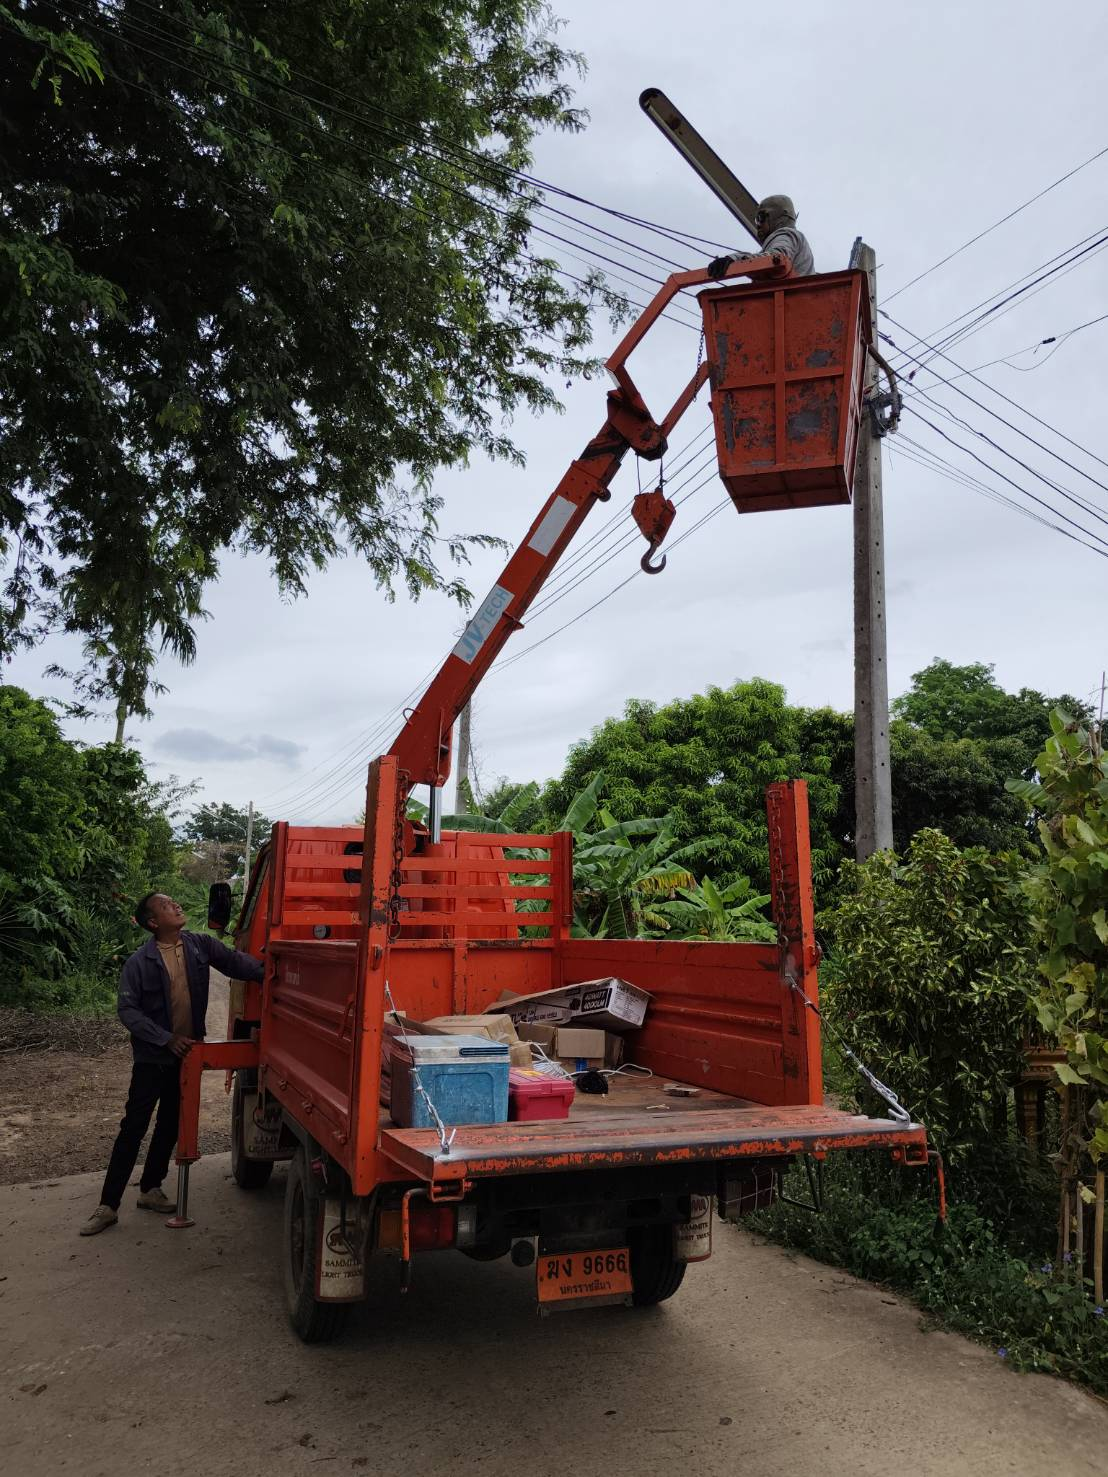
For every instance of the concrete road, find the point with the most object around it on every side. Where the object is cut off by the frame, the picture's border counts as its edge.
(148, 1350)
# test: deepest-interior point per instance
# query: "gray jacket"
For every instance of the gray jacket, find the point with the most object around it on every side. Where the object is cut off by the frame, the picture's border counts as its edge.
(143, 1005)
(793, 244)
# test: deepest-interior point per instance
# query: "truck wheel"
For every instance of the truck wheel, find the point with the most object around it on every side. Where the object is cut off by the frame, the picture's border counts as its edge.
(655, 1271)
(315, 1322)
(249, 1174)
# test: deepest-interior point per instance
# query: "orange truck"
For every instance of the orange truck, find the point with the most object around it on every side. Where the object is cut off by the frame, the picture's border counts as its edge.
(612, 1203)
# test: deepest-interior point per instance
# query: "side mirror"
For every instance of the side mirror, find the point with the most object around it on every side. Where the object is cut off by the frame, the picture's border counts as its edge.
(219, 906)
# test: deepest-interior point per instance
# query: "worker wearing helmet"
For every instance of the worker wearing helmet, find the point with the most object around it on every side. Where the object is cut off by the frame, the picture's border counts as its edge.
(775, 227)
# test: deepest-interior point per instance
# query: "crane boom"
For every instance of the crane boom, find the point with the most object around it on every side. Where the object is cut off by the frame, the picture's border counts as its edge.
(422, 746)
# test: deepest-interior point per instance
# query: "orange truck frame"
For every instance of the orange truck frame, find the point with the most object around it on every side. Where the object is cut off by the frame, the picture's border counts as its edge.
(614, 1202)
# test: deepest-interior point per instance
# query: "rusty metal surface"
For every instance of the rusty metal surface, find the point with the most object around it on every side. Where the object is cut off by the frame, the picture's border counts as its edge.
(205, 1056)
(786, 364)
(633, 1130)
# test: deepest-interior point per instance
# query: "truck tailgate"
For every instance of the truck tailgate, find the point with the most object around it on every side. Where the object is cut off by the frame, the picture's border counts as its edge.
(638, 1123)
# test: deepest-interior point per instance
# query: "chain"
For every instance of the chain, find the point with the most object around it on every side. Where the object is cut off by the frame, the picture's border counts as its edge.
(397, 878)
(896, 1107)
(788, 973)
(445, 1139)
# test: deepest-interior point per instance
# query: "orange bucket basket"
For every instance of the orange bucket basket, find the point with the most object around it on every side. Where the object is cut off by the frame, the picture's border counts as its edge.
(786, 363)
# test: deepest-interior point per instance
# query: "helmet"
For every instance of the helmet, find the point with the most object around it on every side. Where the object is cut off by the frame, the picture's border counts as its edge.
(775, 211)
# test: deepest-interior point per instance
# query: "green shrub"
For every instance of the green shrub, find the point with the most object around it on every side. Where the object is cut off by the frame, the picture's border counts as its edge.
(880, 1223)
(929, 980)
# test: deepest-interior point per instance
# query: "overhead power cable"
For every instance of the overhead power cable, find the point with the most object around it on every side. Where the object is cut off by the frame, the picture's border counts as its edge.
(923, 457)
(418, 136)
(346, 773)
(362, 743)
(960, 390)
(477, 201)
(1006, 301)
(1036, 272)
(1058, 340)
(422, 135)
(980, 236)
(1012, 483)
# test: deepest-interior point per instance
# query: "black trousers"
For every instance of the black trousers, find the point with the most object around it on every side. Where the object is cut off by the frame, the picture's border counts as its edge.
(151, 1084)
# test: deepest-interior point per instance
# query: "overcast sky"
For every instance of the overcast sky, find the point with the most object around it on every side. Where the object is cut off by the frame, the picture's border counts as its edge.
(915, 127)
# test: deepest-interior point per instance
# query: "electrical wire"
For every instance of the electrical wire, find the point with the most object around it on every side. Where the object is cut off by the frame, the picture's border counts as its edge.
(1004, 477)
(681, 237)
(998, 223)
(1057, 339)
(481, 167)
(1006, 301)
(365, 740)
(965, 394)
(930, 460)
(346, 773)
(332, 138)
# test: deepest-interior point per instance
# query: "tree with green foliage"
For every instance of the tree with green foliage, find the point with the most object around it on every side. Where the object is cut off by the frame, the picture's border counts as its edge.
(264, 271)
(929, 978)
(226, 824)
(84, 834)
(706, 762)
(1069, 893)
(956, 738)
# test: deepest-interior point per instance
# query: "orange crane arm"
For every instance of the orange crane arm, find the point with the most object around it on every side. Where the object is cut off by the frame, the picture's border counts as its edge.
(422, 746)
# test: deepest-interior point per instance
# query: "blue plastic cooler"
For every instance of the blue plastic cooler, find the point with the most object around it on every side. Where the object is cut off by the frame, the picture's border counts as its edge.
(466, 1077)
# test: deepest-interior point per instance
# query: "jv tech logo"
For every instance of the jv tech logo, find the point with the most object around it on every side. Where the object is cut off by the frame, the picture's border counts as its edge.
(480, 627)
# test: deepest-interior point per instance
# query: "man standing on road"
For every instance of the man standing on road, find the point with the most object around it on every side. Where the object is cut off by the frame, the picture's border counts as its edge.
(775, 227)
(163, 999)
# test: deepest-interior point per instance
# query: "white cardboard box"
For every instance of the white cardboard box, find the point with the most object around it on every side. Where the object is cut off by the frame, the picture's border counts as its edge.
(611, 1004)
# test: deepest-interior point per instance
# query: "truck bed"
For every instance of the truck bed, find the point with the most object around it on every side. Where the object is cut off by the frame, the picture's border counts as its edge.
(638, 1123)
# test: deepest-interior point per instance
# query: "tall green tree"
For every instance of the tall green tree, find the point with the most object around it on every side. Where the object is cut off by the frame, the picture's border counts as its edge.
(705, 762)
(956, 738)
(226, 824)
(83, 834)
(263, 272)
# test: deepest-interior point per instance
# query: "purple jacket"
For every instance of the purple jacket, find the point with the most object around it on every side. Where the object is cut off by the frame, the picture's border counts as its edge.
(144, 991)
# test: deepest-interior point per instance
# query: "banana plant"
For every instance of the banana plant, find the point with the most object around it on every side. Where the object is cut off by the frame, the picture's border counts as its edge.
(621, 871)
(620, 868)
(727, 914)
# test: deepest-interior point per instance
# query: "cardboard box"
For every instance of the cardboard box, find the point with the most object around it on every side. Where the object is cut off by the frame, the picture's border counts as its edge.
(542, 1033)
(611, 1003)
(576, 1044)
(495, 1027)
(519, 1055)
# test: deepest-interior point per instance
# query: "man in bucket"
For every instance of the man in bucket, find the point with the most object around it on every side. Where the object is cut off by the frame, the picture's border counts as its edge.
(163, 999)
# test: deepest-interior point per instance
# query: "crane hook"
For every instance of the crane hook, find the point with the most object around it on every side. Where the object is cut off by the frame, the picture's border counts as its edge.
(654, 513)
(644, 563)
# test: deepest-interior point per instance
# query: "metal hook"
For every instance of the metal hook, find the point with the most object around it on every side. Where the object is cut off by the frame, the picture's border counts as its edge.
(645, 564)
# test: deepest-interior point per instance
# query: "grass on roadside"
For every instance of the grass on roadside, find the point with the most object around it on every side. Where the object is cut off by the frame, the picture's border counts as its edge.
(965, 1275)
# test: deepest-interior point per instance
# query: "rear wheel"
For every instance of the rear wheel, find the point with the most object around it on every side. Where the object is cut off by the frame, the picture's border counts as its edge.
(315, 1322)
(249, 1174)
(655, 1270)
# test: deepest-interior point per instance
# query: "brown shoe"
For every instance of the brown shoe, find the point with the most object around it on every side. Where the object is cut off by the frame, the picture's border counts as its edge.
(155, 1200)
(100, 1219)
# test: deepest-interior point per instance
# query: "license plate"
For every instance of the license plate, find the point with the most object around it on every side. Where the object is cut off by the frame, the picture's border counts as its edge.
(581, 1276)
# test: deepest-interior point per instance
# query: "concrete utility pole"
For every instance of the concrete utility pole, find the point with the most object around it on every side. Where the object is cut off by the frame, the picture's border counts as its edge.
(249, 839)
(461, 804)
(873, 795)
